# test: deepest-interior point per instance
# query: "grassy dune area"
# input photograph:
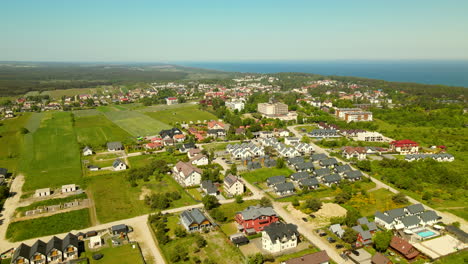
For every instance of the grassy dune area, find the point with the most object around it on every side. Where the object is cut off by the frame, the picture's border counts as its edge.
(51, 155)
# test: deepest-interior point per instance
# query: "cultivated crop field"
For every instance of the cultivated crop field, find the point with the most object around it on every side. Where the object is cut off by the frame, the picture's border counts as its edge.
(96, 130)
(55, 224)
(183, 114)
(135, 123)
(51, 155)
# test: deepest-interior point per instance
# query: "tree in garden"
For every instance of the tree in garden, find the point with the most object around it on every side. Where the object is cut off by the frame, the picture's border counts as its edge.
(239, 199)
(342, 197)
(351, 217)
(265, 202)
(400, 198)
(280, 163)
(210, 202)
(349, 236)
(382, 240)
(313, 204)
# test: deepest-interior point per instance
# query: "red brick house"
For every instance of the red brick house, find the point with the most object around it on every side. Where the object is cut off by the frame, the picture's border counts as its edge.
(404, 146)
(255, 218)
(404, 247)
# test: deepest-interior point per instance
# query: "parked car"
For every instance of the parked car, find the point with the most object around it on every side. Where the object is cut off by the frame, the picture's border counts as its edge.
(355, 252)
(311, 215)
(305, 219)
(322, 234)
(338, 246)
(331, 239)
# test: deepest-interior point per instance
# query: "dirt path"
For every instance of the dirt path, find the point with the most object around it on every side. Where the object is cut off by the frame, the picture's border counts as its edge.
(11, 204)
(92, 210)
(29, 217)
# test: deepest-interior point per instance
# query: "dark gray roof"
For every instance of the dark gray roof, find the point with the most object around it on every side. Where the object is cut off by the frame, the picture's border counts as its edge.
(270, 163)
(276, 179)
(116, 163)
(358, 228)
(285, 186)
(415, 208)
(86, 148)
(54, 243)
(3, 171)
(387, 219)
(309, 182)
(372, 226)
(322, 172)
(429, 215)
(343, 168)
(460, 234)
(331, 178)
(114, 145)
(299, 175)
(304, 166)
(410, 220)
(119, 228)
(21, 251)
(396, 213)
(230, 180)
(295, 160)
(38, 247)
(69, 240)
(280, 230)
(320, 156)
(363, 220)
(366, 235)
(328, 162)
(192, 216)
(208, 186)
(355, 174)
(254, 212)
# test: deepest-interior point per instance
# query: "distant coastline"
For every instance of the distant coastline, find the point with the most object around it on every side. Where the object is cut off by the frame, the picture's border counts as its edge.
(451, 73)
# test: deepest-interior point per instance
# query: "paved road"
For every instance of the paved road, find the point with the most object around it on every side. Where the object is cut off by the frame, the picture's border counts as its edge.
(447, 218)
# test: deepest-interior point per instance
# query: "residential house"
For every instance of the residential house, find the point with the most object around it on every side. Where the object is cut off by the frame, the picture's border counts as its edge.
(429, 217)
(322, 172)
(199, 160)
(168, 134)
(70, 247)
(42, 192)
(279, 236)
(324, 133)
(209, 188)
(87, 151)
(121, 229)
(69, 188)
(37, 254)
(309, 183)
(404, 248)
(255, 218)
(215, 133)
(299, 176)
(253, 165)
(342, 169)
(303, 148)
(233, 185)
(172, 100)
(179, 138)
(114, 146)
(284, 188)
(186, 174)
(275, 180)
(354, 152)
(193, 152)
(154, 145)
(304, 167)
(379, 258)
(187, 147)
(396, 213)
(384, 220)
(370, 136)
(95, 242)
(404, 147)
(216, 125)
(118, 165)
(54, 251)
(295, 160)
(328, 180)
(320, 257)
(410, 221)
(364, 237)
(291, 140)
(337, 230)
(281, 132)
(415, 209)
(21, 254)
(329, 163)
(318, 157)
(353, 175)
(194, 220)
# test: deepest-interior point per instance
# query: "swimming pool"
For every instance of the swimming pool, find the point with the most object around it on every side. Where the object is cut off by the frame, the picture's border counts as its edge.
(426, 234)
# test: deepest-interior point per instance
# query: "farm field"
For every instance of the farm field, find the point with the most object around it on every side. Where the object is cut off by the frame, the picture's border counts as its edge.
(216, 146)
(114, 198)
(57, 94)
(95, 131)
(51, 154)
(124, 254)
(262, 174)
(55, 224)
(86, 112)
(135, 123)
(10, 139)
(181, 115)
(142, 160)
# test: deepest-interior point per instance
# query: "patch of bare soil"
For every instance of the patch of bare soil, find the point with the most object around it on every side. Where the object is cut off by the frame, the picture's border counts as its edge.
(144, 191)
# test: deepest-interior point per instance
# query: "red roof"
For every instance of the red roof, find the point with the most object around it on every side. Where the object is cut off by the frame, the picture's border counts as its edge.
(403, 247)
(172, 98)
(404, 142)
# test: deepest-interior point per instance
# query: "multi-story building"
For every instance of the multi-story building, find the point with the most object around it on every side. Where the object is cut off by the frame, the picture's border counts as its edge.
(272, 109)
(235, 105)
(233, 186)
(279, 236)
(186, 174)
(353, 114)
(369, 136)
(255, 218)
(404, 146)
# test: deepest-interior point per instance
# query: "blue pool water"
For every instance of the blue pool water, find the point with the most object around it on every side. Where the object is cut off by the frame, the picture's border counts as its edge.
(426, 234)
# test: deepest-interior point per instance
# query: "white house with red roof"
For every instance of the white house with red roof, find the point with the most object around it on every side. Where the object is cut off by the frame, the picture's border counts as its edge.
(171, 100)
(404, 146)
(216, 125)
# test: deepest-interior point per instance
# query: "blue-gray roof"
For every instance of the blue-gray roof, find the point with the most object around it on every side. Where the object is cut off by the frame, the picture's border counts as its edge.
(331, 178)
(355, 174)
(276, 179)
(415, 208)
(387, 219)
(192, 216)
(254, 212)
(285, 186)
(411, 220)
(429, 215)
(396, 213)
(308, 182)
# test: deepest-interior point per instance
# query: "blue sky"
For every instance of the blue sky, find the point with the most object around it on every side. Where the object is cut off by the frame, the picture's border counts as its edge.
(255, 30)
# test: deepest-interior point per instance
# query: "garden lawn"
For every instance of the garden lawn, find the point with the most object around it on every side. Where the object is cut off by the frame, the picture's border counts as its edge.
(143, 160)
(135, 123)
(231, 209)
(55, 224)
(95, 131)
(114, 198)
(168, 185)
(124, 254)
(378, 200)
(460, 257)
(10, 140)
(263, 174)
(51, 154)
(216, 146)
(182, 115)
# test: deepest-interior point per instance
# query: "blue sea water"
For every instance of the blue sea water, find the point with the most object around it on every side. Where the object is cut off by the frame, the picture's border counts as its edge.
(453, 73)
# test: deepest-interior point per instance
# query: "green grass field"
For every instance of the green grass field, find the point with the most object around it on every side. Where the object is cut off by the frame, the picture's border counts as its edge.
(10, 140)
(95, 131)
(55, 224)
(181, 115)
(458, 258)
(231, 209)
(51, 154)
(262, 174)
(124, 254)
(135, 123)
(143, 160)
(86, 112)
